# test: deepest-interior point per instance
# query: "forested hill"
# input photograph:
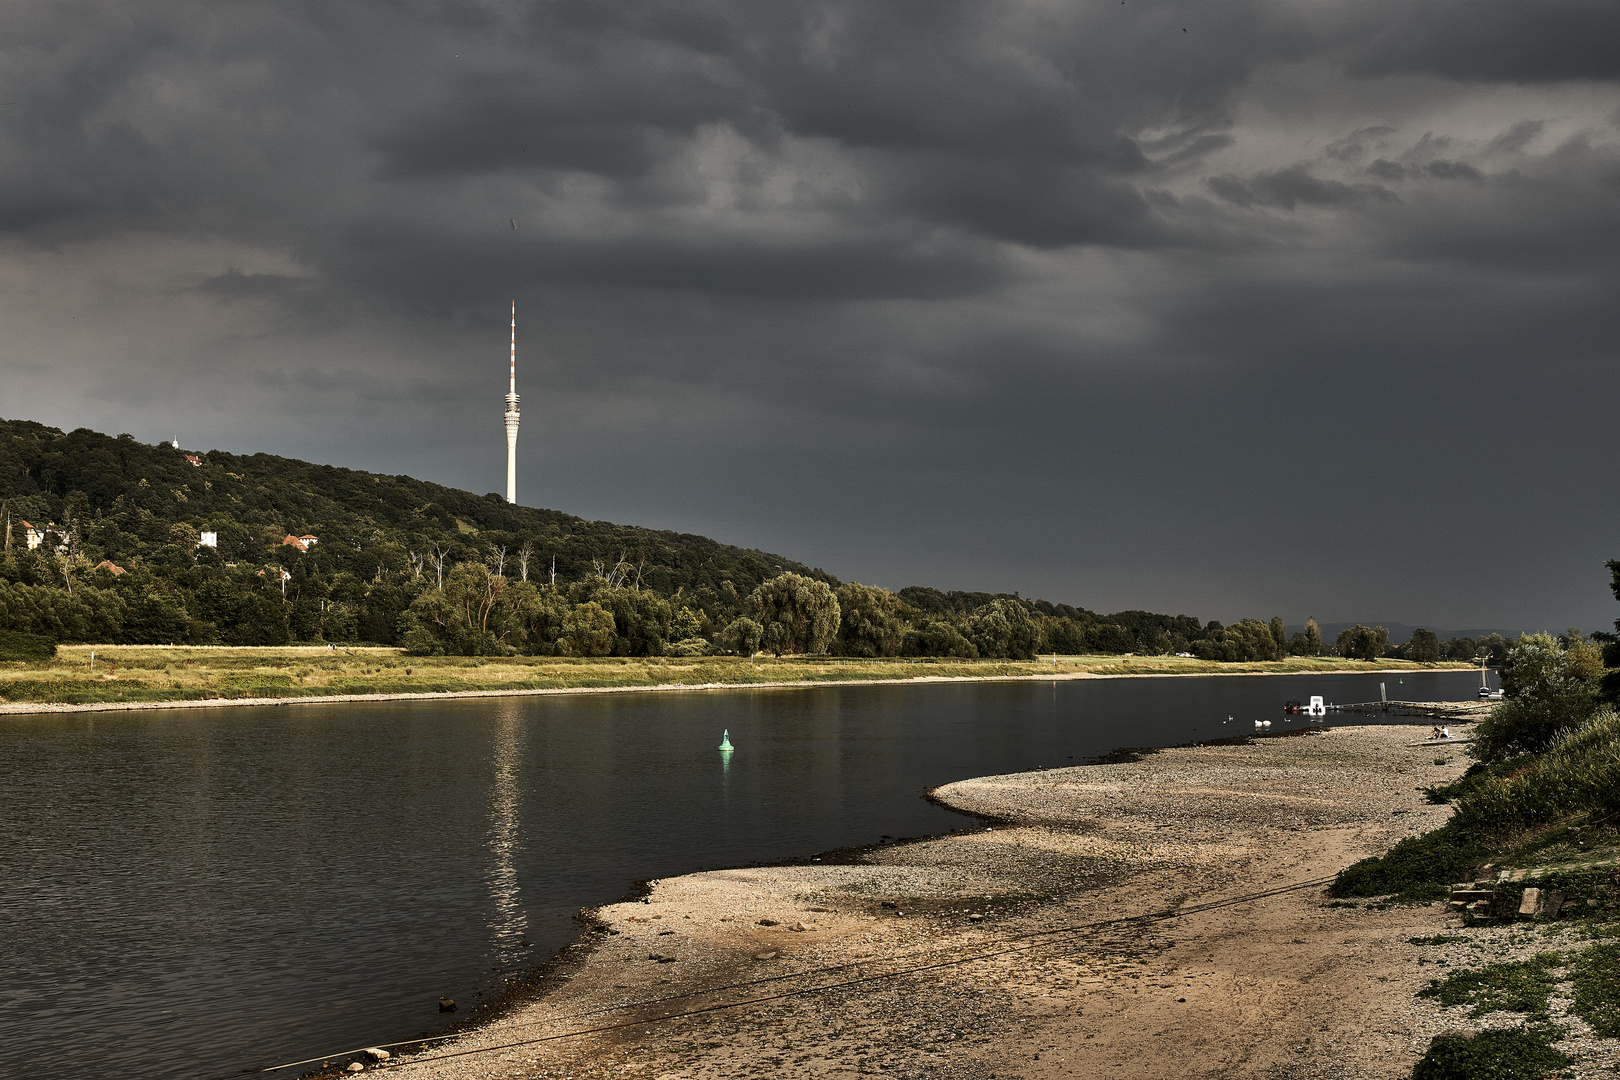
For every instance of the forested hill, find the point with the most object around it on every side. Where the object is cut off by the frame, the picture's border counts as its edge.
(111, 540)
(128, 496)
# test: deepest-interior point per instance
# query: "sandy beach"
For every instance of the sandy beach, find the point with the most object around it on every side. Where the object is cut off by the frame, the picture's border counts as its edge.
(1157, 917)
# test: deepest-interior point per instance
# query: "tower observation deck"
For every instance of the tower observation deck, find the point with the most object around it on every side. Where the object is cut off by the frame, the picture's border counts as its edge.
(512, 416)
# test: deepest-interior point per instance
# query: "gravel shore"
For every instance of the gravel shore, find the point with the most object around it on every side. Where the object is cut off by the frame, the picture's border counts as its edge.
(1158, 917)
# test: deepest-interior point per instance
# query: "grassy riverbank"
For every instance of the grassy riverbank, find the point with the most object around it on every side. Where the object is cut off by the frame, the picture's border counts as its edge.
(132, 673)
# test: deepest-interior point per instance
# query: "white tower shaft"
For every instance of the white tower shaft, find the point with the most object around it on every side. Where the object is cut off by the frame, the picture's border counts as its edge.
(512, 417)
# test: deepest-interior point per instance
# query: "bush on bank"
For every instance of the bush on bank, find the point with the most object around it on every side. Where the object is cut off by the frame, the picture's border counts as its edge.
(1499, 810)
(1550, 689)
(1549, 756)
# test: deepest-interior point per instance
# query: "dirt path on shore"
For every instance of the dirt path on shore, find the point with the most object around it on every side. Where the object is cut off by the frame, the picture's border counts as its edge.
(1158, 918)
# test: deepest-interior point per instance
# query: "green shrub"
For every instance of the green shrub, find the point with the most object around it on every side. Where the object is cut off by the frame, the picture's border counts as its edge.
(1521, 986)
(1550, 690)
(1521, 1053)
(1597, 988)
(1418, 868)
(31, 648)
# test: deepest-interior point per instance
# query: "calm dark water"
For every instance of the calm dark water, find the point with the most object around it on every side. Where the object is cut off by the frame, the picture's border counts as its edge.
(186, 894)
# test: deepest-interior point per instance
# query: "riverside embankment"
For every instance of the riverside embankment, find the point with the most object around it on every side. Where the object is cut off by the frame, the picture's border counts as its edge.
(1157, 917)
(85, 678)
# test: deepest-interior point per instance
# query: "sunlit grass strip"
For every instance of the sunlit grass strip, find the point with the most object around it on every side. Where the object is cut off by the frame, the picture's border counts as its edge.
(168, 673)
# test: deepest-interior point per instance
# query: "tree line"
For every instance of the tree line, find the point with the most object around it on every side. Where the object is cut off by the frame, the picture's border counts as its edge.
(104, 542)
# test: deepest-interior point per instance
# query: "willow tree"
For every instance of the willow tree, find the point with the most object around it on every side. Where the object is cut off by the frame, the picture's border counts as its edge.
(798, 614)
(870, 620)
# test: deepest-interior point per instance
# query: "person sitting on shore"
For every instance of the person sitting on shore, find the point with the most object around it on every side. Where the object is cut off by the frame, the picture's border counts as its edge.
(1434, 732)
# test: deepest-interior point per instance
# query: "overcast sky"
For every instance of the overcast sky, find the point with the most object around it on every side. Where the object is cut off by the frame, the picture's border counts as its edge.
(1232, 309)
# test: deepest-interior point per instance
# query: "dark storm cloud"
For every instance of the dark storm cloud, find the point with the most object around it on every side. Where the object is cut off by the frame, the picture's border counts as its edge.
(1041, 205)
(1353, 144)
(602, 118)
(1485, 40)
(1293, 187)
(1075, 299)
(1452, 170)
(439, 274)
(1518, 136)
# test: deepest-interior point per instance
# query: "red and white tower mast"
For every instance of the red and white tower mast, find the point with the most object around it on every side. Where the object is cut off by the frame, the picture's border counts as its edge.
(512, 417)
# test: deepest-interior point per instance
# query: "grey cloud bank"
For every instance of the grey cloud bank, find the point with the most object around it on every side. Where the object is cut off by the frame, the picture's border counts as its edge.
(1235, 310)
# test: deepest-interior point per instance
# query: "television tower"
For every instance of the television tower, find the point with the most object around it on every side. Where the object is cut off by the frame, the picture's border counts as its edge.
(512, 418)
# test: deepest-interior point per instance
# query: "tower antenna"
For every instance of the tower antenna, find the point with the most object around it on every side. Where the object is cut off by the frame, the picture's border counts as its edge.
(512, 416)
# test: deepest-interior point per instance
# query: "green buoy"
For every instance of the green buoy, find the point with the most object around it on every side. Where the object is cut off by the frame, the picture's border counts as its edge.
(725, 740)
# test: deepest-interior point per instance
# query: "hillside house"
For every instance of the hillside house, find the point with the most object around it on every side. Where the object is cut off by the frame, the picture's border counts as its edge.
(193, 459)
(302, 543)
(208, 539)
(35, 534)
(111, 567)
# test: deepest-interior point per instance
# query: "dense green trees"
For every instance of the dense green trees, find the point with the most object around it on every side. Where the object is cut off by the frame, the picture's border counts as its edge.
(27, 648)
(1459, 648)
(1424, 647)
(1247, 640)
(1363, 642)
(1003, 630)
(479, 612)
(871, 621)
(741, 636)
(1307, 642)
(86, 614)
(937, 637)
(1108, 637)
(1493, 647)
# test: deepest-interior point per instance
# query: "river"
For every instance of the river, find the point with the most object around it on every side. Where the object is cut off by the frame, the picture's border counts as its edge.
(190, 893)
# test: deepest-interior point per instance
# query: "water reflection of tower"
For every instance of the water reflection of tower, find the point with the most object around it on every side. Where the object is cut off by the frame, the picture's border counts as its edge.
(508, 922)
(512, 416)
